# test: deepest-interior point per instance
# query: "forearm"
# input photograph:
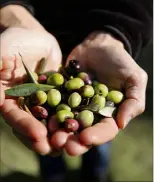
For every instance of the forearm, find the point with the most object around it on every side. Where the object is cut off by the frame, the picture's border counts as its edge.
(17, 16)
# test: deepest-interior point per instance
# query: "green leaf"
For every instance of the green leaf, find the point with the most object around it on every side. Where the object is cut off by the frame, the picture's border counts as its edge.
(90, 107)
(28, 71)
(107, 111)
(27, 89)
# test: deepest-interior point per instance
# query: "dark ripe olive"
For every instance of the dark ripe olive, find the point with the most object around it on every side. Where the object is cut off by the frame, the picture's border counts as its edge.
(85, 77)
(101, 89)
(42, 78)
(71, 125)
(74, 84)
(87, 91)
(63, 107)
(39, 112)
(62, 115)
(85, 118)
(109, 103)
(55, 79)
(53, 97)
(99, 100)
(74, 100)
(73, 67)
(115, 96)
(53, 124)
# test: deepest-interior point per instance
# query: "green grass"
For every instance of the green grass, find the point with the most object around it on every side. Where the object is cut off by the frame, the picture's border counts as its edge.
(131, 156)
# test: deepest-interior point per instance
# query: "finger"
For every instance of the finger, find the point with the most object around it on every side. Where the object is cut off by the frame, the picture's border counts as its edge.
(2, 94)
(27, 125)
(135, 100)
(100, 133)
(32, 145)
(74, 147)
(59, 138)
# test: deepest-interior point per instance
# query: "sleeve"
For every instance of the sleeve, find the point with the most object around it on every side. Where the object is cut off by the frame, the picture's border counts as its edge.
(128, 20)
(24, 3)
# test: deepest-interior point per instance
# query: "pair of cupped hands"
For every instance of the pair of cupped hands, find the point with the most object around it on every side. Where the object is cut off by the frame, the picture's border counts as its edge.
(100, 54)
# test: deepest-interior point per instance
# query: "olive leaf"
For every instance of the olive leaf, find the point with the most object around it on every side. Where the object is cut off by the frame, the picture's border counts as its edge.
(90, 107)
(27, 89)
(28, 71)
(41, 66)
(107, 111)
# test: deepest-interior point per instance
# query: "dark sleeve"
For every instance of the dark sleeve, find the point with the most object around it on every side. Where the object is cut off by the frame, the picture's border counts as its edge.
(24, 3)
(128, 20)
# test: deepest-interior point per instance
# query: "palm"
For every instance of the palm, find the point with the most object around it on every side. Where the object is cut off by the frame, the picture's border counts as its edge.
(32, 46)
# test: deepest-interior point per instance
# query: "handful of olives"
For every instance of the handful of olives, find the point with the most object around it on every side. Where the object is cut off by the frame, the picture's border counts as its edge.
(67, 99)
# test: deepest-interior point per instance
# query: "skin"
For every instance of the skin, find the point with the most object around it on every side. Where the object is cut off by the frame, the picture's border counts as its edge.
(99, 49)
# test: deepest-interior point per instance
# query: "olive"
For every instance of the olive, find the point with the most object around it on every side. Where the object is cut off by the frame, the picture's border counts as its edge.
(87, 91)
(41, 97)
(101, 89)
(73, 67)
(74, 100)
(42, 78)
(63, 107)
(55, 79)
(71, 125)
(39, 112)
(94, 83)
(85, 118)
(85, 77)
(74, 84)
(62, 115)
(98, 99)
(115, 96)
(53, 124)
(109, 103)
(53, 97)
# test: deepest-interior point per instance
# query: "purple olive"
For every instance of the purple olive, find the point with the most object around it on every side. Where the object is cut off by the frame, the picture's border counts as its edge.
(42, 78)
(39, 112)
(71, 125)
(85, 77)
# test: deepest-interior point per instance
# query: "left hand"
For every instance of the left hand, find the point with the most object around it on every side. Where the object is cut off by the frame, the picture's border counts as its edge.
(104, 56)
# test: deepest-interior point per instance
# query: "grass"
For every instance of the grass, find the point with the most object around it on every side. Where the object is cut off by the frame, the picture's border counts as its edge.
(131, 156)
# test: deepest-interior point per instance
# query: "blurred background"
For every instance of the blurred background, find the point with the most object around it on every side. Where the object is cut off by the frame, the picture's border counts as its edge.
(131, 153)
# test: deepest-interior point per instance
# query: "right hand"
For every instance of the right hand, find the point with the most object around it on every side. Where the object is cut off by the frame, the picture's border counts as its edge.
(32, 45)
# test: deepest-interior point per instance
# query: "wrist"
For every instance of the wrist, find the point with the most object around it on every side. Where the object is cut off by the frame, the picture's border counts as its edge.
(103, 39)
(18, 16)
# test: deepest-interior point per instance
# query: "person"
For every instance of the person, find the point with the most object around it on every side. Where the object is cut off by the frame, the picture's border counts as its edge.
(105, 36)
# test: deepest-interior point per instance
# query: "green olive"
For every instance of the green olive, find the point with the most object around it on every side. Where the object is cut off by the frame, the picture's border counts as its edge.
(74, 100)
(115, 96)
(63, 107)
(53, 97)
(101, 89)
(41, 97)
(94, 83)
(74, 84)
(55, 79)
(98, 99)
(87, 91)
(62, 115)
(85, 118)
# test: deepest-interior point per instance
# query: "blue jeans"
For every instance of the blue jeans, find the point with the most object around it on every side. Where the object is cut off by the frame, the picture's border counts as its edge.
(95, 163)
